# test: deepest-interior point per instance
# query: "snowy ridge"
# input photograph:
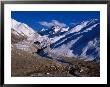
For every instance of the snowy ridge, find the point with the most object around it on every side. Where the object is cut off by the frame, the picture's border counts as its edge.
(65, 49)
(79, 27)
(90, 46)
(22, 28)
(81, 41)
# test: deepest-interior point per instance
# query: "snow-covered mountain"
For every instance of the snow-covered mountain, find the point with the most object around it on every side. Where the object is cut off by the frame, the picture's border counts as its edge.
(23, 36)
(24, 30)
(81, 41)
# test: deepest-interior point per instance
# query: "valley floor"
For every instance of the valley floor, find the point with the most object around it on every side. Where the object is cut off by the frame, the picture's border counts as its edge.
(24, 64)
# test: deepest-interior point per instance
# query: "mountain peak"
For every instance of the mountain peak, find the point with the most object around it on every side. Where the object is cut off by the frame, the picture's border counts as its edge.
(22, 28)
(79, 41)
(56, 28)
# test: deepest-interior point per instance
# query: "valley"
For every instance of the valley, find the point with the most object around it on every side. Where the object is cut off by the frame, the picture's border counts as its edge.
(56, 52)
(24, 64)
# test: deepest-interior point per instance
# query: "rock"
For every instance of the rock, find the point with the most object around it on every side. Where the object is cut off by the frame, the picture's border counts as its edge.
(48, 73)
(73, 69)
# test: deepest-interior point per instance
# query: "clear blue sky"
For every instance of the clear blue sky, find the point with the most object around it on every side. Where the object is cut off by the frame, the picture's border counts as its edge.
(32, 18)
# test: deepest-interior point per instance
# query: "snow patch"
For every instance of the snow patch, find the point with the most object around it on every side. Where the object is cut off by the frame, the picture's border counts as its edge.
(79, 27)
(90, 45)
(65, 49)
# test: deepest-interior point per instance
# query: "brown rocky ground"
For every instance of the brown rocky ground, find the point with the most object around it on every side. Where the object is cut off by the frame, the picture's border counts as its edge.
(28, 64)
(85, 68)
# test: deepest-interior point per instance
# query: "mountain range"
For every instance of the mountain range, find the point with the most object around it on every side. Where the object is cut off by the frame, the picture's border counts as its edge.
(80, 41)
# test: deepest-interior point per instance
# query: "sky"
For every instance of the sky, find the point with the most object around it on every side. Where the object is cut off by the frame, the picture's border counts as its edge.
(45, 19)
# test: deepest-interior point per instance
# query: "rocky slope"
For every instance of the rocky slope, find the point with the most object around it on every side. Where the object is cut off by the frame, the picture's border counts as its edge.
(56, 56)
(26, 64)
